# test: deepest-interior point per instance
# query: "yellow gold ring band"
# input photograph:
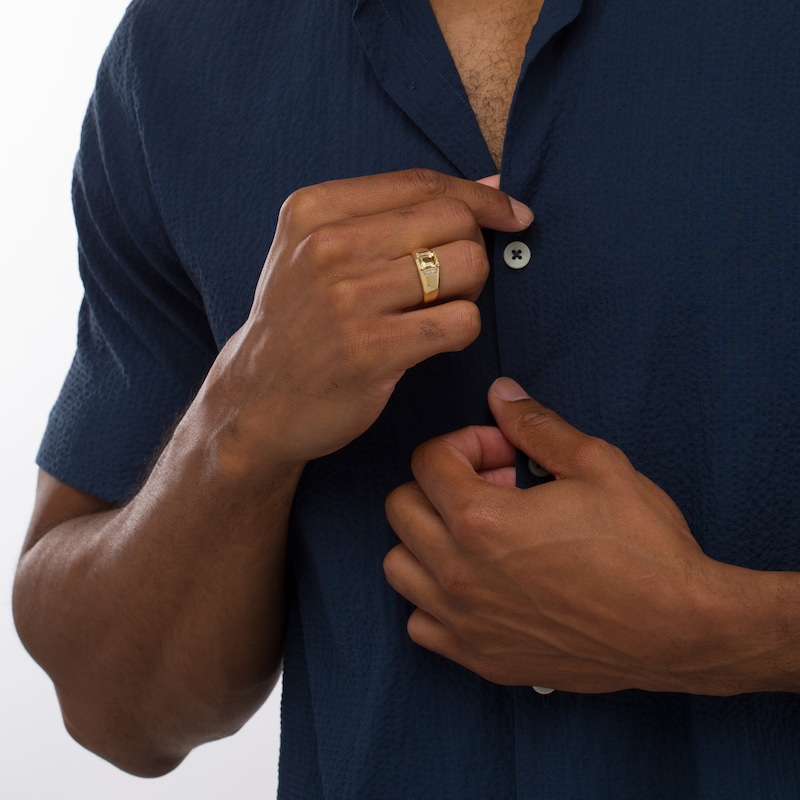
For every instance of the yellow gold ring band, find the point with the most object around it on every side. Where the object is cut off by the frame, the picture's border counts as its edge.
(428, 269)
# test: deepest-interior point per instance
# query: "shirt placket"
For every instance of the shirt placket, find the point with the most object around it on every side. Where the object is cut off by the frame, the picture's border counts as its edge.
(520, 285)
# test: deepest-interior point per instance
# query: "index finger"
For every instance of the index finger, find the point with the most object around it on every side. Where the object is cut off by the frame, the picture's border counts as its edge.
(457, 464)
(376, 194)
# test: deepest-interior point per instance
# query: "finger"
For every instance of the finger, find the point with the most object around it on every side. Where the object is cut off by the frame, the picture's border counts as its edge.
(502, 476)
(417, 227)
(394, 285)
(378, 251)
(389, 235)
(475, 448)
(450, 469)
(404, 340)
(463, 271)
(381, 348)
(412, 580)
(431, 633)
(544, 436)
(425, 568)
(374, 194)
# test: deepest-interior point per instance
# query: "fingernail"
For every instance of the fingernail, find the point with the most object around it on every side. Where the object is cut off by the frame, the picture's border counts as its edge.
(521, 212)
(507, 389)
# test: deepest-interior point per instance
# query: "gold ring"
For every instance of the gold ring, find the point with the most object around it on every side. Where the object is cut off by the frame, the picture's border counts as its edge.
(428, 268)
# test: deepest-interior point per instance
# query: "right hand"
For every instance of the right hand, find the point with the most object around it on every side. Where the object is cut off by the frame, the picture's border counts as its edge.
(338, 317)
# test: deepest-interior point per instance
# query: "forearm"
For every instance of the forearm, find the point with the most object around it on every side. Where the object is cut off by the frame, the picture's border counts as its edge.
(749, 639)
(161, 622)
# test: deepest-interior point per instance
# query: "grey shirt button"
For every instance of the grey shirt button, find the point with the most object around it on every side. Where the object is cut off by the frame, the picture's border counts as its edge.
(536, 470)
(517, 255)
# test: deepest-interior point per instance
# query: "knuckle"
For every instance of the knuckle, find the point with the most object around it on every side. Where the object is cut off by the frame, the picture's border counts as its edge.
(299, 205)
(324, 245)
(397, 500)
(474, 522)
(476, 263)
(427, 183)
(371, 349)
(593, 451)
(424, 454)
(457, 218)
(340, 309)
(537, 417)
(416, 629)
(464, 323)
(391, 504)
(391, 565)
(456, 581)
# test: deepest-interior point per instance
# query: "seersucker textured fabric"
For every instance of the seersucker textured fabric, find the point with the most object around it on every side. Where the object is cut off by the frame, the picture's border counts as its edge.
(658, 145)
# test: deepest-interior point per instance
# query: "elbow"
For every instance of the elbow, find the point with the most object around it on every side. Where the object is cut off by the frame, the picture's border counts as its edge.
(124, 748)
(150, 740)
(96, 723)
(122, 743)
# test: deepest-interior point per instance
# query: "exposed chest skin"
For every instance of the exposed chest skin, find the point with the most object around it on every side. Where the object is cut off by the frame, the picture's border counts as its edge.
(487, 41)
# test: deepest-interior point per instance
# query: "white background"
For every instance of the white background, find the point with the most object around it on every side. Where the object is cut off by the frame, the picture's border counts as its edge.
(49, 53)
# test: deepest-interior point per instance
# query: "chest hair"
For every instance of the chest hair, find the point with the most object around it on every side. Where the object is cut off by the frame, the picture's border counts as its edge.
(487, 43)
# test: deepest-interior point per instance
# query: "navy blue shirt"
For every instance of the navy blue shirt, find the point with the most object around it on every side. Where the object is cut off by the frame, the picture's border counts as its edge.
(658, 145)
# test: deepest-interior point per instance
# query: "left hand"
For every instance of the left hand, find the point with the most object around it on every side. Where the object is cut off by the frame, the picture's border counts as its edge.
(590, 583)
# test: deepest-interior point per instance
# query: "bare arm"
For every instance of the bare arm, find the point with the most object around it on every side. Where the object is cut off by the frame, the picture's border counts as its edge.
(161, 622)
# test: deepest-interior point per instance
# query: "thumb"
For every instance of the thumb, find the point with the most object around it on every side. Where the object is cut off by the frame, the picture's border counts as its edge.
(540, 433)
